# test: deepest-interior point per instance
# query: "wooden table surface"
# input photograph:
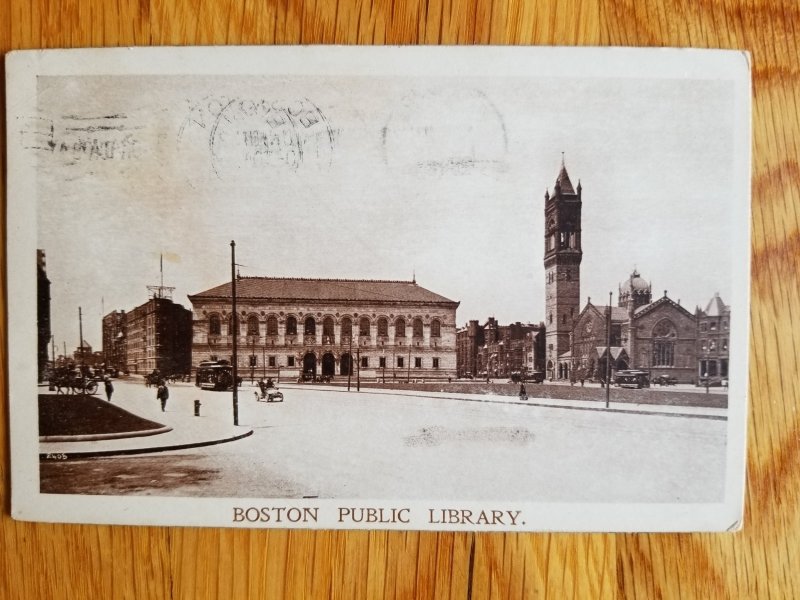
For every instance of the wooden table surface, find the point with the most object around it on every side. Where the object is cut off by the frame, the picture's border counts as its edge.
(762, 561)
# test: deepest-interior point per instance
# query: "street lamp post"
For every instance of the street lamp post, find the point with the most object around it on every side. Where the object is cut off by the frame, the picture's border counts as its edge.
(608, 352)
(350, 362)
(234, 323)
(408, 366)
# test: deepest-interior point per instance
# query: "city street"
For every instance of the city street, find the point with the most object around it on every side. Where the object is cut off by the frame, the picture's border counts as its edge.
(329, 443)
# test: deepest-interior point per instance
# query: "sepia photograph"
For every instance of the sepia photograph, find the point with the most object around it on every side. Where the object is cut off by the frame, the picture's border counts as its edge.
(414, 288)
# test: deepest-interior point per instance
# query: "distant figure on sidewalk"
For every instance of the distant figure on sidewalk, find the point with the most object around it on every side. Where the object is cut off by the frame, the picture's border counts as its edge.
(163, 394)
(109, 387)
(523, 393)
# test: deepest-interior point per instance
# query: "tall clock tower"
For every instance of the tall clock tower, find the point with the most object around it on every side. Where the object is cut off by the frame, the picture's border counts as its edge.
(562, 267)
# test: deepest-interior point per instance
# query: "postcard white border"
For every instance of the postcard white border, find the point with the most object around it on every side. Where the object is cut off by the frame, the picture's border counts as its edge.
(23, 67)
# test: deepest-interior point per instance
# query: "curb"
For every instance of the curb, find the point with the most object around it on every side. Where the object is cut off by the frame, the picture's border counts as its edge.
(91, 437)
(148, 450)
(629, 411)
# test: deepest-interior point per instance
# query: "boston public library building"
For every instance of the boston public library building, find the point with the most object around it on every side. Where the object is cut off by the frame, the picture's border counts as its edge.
(324, 328)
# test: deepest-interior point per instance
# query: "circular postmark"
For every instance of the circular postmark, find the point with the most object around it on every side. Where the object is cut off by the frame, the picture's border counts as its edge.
(256, 134)
(446, 130)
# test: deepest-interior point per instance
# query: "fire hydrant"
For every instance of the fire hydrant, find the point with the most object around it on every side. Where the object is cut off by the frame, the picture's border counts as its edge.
(197, 408)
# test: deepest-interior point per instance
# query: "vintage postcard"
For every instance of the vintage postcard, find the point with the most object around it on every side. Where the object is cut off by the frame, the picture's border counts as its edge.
(430, 288)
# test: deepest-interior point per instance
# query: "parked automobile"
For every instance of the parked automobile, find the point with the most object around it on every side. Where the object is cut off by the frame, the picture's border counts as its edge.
(663, 380)
(534, 377)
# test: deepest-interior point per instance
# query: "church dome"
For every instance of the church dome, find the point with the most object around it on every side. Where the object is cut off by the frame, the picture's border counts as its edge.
(634, 284)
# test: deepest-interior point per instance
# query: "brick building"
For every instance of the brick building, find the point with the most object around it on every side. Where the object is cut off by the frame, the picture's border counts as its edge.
(658, 336)
(42, 313)
(500, 350)
(115, 340)
(156, 335)
(713, 337)
(288, 327)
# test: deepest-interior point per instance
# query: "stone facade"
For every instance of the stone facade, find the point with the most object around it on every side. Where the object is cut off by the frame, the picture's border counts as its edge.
(660, 337)
(562, 260)
(290, 328)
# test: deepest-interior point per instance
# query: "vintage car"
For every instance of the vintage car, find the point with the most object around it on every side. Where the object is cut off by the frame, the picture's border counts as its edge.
(665, 380)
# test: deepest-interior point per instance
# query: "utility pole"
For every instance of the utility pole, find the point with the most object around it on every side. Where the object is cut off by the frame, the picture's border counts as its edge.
(408, 367)
(608, 352)
(350, 362)
(234, 323)
(80, 333)
(358, 369)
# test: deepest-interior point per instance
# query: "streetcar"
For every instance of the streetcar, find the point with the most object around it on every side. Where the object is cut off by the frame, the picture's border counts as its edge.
(215, 375)
(631, 378)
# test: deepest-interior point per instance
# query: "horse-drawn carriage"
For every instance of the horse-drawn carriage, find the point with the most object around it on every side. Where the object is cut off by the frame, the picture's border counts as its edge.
(73, 382)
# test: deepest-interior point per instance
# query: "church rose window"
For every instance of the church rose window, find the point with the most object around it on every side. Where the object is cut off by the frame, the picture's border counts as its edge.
(214, 326)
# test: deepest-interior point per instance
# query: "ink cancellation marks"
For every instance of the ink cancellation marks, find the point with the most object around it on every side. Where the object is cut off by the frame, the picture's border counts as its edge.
(254, 134)
(446, 131)
(81, 139)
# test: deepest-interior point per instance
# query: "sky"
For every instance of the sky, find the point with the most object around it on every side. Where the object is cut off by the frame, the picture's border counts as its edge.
(441, 179)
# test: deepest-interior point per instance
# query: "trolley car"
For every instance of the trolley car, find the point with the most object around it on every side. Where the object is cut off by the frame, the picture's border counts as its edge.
(215, 375)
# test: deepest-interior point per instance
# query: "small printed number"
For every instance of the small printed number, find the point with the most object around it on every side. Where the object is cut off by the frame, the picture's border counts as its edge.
(56, 456)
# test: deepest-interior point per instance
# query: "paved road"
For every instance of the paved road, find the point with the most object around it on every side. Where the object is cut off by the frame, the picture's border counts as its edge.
(338, 444)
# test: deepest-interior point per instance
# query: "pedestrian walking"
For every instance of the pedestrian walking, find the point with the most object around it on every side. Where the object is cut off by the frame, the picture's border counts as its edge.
(523, 393)
(163, 394)
(109, 387)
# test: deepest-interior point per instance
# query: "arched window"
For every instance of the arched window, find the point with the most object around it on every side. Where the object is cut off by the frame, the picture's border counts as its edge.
(291, 326)
(272, 325)
(664, 336)
(310, 326)
(363, 327)
(416, 328)
(252, 326)
(327, 329)
(436, 328)
(383, 326)
(233, 325)
(400, 328)
(214, 326)
(347, 328)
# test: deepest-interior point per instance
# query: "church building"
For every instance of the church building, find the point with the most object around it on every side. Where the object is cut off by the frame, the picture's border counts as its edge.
(659, 336)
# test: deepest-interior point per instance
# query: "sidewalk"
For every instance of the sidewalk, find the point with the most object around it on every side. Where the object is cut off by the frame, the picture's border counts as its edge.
(621, 407)
(187, 431)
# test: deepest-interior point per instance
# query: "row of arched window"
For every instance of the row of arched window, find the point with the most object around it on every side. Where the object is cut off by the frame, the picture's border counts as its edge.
(310, 326)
